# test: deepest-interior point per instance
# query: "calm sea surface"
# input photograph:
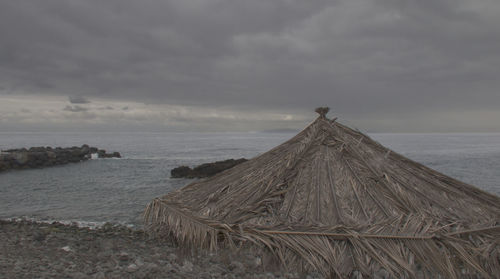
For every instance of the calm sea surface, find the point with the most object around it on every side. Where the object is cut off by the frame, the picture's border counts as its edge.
(117, 190)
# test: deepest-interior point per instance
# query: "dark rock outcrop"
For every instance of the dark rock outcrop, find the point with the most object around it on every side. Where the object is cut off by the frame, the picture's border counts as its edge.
(182, 171)
(205, 170)
(39, 157)
(102, 154)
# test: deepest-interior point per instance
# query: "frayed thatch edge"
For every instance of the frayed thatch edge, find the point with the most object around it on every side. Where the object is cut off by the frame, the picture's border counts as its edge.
(442, 254)
(163, 220)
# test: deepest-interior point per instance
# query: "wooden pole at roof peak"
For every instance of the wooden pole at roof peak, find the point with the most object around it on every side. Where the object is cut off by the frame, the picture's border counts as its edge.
(322, 111)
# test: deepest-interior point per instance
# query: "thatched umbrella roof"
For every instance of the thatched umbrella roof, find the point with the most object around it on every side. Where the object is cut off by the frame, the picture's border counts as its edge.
(332, 199)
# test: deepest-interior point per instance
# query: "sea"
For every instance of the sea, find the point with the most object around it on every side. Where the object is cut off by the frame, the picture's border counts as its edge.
(97, 191)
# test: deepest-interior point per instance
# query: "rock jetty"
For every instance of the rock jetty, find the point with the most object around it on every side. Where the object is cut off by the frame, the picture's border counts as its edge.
(205, 170)
(39, 157)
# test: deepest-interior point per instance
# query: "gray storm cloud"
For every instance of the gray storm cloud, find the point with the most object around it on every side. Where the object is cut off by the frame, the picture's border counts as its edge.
(384, 64)
(74, 108)
(78, 100)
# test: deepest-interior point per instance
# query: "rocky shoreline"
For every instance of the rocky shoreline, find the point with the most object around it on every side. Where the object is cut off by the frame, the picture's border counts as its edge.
(40, 157)
(40, 250)
(205, 170)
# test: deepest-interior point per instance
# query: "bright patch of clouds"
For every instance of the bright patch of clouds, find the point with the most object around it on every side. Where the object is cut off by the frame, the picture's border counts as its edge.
(59, 113)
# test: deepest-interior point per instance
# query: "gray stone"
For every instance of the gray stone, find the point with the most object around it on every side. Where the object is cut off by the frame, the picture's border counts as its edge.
(99, 275)
(169, 267)
(38, 236)
(172, 257)
(66, 249)
(381, 274)
(89, 270)
(139, 261)
(237, 267)
(151, 266)
(132, 268)
(187, 266)
(257, 261)
(78, 275)
(123, 256)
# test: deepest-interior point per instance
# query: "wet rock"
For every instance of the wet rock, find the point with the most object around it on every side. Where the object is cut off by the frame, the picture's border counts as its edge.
(205, 170)
(85, 149)
(102, 154)
(181, 172)
(20, 158)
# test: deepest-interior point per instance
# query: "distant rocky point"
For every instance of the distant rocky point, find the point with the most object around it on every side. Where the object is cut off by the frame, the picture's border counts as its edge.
(205, 170)
(39, 157)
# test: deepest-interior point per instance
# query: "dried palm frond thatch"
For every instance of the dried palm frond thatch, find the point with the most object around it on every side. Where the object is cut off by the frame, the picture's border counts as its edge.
(332, 199)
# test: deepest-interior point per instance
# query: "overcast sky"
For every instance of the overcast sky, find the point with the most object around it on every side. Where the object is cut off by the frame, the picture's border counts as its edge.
(198, 65)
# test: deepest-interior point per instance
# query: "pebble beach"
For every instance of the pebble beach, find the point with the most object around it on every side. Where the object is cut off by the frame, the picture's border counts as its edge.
(54, 250)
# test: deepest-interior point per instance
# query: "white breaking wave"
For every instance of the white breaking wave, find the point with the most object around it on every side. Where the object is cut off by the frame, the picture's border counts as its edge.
(78, 223)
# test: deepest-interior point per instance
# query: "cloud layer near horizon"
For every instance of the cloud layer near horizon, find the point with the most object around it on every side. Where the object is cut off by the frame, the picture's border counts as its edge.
(383, 65)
